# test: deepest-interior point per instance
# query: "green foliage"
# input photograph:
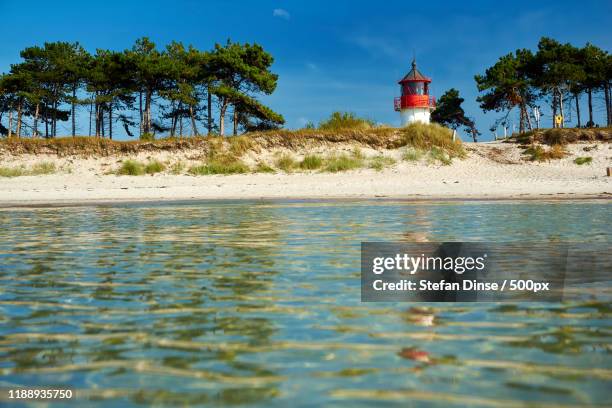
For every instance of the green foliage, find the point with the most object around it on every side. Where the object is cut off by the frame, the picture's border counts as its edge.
(449, 113)
(538, 153)
(177, 168)
(412, 154)
(437, 154)
(13, 171)
(42, 168)
(345, 120)
(131, 168)
(147, 137)
(380, 162)
(220, 165)
(311, 162)
(240, 145)
(427, 136)
(583, 160)
(343, 162)
(285, 162)
(154, 166)
(263, 168)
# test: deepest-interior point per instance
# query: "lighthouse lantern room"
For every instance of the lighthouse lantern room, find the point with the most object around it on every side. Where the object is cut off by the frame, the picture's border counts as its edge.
(415, 104)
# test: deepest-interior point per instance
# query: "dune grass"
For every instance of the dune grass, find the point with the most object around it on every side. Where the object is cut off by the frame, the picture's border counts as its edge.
(311, 162)
(343, 162)
(37, 169)
(13, 171)
(220, 165)
(285, 162)
(131, 168)
(177, 168)
(154, 166)
(345, 120)
(429, 136)
(263, 168)
(539, 154)
(413, 154)
(437, 154)
(380, 162)
(583, 160)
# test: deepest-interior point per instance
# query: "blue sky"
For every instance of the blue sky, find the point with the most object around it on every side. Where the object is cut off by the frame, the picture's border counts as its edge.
(330, 55)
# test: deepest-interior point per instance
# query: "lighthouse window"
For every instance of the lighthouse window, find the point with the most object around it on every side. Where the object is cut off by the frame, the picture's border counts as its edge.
(415, 88)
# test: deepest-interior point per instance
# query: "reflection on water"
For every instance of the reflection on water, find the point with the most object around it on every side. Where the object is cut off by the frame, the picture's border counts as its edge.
(259, 303)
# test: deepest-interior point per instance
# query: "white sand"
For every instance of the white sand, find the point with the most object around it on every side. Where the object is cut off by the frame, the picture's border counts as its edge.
(491, 171)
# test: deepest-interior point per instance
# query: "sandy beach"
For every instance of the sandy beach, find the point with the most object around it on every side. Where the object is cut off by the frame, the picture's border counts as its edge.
(490, 171)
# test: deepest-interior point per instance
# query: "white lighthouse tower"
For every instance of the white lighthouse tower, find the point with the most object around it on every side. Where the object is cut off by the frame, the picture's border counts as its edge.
(415, 104)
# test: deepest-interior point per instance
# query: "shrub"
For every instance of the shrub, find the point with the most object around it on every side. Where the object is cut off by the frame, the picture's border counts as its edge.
(154, 166)
(437, 154)
(12, 171)
(342, 163)
(427, 136)
(583, 160)
(42, 168)
(240, 144)
(345, 120)
(220, 165)
(538, 153)
(285, 162)
(263, 168)
(557, 151)
(380, 162)
(147, 137)
(311, 162)
(131, 168)
(412, 154)
(177, 168)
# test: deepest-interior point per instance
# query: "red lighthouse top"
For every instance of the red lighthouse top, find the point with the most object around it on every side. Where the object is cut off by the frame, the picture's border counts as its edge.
(415, 91)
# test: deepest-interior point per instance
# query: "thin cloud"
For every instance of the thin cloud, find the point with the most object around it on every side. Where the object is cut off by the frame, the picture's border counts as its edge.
(378, 46)
(281, 13)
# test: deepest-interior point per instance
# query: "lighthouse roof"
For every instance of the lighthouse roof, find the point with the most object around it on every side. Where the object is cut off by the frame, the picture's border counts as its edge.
(414, 75)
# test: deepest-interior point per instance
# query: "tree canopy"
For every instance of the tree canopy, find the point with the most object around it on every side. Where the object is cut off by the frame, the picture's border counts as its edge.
(154, 90)
(449, 113)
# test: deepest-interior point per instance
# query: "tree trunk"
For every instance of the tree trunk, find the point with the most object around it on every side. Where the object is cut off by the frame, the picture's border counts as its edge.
(235, 121)
(554, 109)
(209, 112)
(590, 94)
(35, 131)
(562, 124)
(97, 119)
(180, 118)
(73, 110)
(194, 129)
(173, 123)
(528, 118)
(102, 120)
(54, 120)
(10, 127)
(140, 112)
(522, 119)
(148, 112)
(577, 108)
(46, 126)
(90, 113)
(608, 107)
(110, 121)
(222, 118)
(19, 116)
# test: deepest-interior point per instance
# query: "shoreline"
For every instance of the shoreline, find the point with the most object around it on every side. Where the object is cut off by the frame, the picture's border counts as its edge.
(489, 172)
(8, 205)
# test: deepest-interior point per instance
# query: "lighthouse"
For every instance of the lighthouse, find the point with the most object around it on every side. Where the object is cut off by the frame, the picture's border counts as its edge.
(415, 104)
